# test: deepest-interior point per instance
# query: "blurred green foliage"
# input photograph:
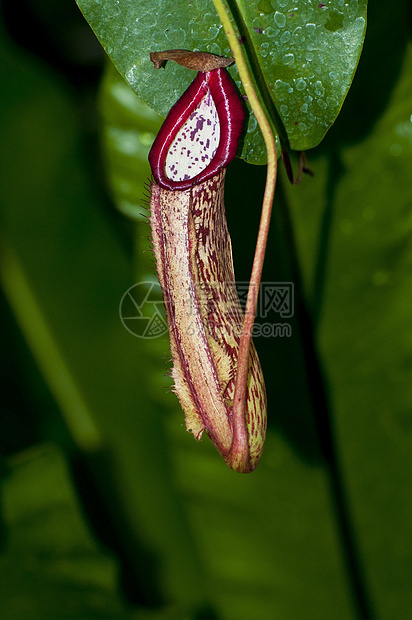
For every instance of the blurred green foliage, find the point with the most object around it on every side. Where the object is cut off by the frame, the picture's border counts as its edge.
(109, 509)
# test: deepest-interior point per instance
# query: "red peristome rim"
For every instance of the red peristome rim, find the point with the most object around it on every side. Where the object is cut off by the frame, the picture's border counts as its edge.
(231, 115)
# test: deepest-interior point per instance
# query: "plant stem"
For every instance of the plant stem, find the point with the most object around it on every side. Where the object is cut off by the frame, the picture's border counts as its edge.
(239, 423)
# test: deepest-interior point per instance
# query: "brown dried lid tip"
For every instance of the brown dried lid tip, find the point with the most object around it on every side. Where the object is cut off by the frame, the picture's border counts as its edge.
(198, 61)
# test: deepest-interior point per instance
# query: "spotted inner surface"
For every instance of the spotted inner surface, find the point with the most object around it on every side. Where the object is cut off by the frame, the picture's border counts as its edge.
(196, 142)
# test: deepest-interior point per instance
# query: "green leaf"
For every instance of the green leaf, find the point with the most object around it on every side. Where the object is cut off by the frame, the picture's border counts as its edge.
(64, 270)
(303, 58)
(52, 567)
(308, 53)
(265, 545)
(129, 128)
(353, 224)
(194, 532)
(248, 577)
(129, 31)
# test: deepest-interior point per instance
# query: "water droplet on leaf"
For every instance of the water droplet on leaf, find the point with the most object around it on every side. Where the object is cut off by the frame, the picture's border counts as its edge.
(280, 19)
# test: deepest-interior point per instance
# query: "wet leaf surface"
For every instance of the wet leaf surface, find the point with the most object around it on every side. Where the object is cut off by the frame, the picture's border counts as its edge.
(303, 58)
